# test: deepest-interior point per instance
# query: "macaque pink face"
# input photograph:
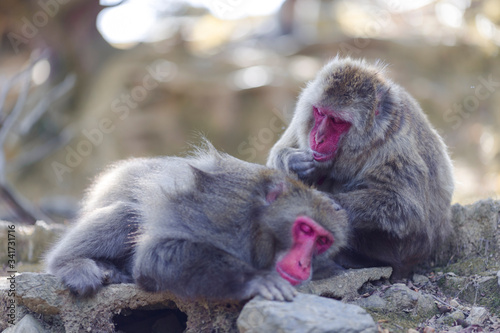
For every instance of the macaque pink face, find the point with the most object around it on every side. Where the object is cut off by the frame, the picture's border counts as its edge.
(309, 239)
(326, 133)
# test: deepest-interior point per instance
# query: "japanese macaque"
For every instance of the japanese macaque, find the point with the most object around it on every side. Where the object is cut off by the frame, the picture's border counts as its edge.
(208, 226)
(364, 140)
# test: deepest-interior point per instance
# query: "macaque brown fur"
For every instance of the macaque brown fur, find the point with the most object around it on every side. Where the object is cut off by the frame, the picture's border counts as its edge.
(207, 226)
(363, 139)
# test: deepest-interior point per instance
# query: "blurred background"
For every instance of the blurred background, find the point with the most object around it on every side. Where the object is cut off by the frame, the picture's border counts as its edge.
(84, 83)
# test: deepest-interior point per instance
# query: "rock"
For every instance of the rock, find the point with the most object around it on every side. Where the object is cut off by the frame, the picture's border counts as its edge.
(27, 324)
(401, 298)
(475, 230)
(446, 320)
(477, 315)
(454, 303)
(118, 304)
(346, 283)
(307, 313)
(420, 280)
(482, 290)
(374, 302)
(457, 315)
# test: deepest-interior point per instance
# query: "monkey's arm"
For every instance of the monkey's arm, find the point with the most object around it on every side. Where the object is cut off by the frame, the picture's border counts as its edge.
(193, 269)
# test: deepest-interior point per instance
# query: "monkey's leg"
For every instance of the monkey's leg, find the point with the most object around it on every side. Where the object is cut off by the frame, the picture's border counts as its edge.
(96, 250)
(193, 269)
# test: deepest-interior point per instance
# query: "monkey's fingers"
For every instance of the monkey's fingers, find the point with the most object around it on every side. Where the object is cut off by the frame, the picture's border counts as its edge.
(301, 163)
(264, 291)
(258, 286)
(305, 174)
(282, 290)
(267, 287)
(277, 295)
(288, 291)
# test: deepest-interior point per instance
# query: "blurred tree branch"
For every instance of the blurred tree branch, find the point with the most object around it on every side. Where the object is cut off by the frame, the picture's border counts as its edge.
(23, 209)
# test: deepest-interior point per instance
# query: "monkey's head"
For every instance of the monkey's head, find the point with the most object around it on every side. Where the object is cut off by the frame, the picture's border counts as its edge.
(343, 108)
(304, 223)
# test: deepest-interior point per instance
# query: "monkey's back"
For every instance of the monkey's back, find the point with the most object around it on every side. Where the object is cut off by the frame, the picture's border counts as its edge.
(427, 171)
(205, 195)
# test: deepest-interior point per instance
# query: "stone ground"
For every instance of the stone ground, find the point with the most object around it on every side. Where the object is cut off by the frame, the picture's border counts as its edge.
(434, 303)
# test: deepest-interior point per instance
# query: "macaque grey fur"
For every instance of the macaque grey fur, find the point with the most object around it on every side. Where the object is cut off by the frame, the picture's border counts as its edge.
(391, 170)
(207, 226)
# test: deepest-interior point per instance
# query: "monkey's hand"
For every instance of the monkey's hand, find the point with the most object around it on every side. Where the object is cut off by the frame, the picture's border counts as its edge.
(301, 163)
(271, 286)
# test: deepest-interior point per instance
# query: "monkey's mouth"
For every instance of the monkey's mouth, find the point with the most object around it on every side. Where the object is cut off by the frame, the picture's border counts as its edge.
(322, 157)
(293, 280)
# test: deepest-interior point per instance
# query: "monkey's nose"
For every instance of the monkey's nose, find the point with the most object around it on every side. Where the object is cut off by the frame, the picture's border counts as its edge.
(303, 266)
(320, 139)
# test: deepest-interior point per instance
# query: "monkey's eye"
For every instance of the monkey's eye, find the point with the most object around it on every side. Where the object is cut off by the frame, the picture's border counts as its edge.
(306, 229)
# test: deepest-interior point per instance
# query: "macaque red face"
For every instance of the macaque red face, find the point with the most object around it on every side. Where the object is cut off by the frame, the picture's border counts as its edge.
(326, 133)
(309, 239)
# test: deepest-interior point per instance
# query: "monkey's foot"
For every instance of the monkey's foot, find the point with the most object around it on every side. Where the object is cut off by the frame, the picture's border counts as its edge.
(82, 276)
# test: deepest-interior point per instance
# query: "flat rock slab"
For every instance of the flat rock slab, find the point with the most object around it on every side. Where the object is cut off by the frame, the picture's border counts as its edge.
(43, 294)
(346, 283)
(307, 313)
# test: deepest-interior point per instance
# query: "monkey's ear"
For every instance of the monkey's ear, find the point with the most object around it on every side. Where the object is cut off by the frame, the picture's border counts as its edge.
(202, 179)
(274, 191)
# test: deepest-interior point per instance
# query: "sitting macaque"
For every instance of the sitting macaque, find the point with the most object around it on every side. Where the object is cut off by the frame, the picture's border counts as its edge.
(208, 226)
(363, 139)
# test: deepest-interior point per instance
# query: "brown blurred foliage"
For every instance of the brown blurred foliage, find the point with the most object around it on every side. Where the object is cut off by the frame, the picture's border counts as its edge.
(236, 82)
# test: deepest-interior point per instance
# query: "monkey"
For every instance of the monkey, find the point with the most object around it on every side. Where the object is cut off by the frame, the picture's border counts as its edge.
(361, 138)
(204, 226)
